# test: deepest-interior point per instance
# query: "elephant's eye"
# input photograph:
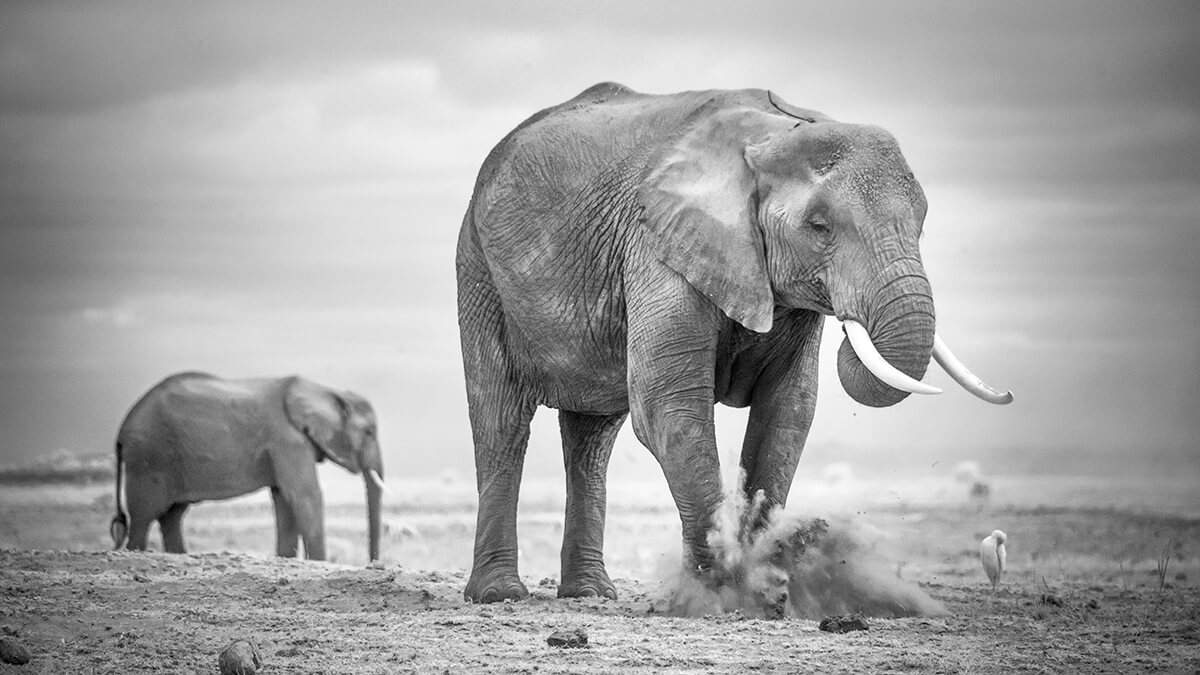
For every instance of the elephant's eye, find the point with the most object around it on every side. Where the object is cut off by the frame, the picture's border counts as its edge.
(818, 225)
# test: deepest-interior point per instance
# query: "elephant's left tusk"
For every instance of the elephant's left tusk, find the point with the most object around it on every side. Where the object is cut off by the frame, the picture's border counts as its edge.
(946, 359)
(879, 367)
(374, 476)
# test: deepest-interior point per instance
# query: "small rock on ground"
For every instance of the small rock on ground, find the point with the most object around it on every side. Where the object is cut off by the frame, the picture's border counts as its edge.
(842, 624)
(1051, 599)
(240, 658)
(13, 652)
(574, 638)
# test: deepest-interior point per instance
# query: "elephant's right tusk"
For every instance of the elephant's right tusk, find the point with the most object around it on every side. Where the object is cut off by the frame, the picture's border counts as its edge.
(879, 367)
(946, 359)
(374, 476)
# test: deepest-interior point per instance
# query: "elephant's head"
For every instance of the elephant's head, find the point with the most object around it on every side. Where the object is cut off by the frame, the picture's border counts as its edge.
(758, 206)
(341, 426)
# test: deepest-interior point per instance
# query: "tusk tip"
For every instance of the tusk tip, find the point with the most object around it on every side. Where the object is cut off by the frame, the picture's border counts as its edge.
(965, 378)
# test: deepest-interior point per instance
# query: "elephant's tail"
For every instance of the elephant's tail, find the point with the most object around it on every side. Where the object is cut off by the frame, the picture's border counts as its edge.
(119, 527)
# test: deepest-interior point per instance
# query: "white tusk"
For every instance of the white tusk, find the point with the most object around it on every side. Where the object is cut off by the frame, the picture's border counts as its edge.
(879, 367)
(374, 476)
(945, 358)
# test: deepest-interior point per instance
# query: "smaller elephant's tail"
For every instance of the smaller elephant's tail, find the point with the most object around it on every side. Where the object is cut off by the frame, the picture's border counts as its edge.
(119, 527)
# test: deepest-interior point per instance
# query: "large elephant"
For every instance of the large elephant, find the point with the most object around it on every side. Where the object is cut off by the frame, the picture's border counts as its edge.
(632, 253)
(196, 437)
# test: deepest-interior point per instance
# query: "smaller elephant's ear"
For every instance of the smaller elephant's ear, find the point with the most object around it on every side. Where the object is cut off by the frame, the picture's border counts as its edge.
(700, 206)
(320, 414)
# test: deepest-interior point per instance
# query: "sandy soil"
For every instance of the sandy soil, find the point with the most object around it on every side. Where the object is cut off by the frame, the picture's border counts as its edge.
(1083, 595)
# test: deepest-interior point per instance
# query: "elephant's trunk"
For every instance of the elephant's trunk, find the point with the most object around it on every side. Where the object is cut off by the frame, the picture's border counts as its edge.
(373, 522)
(372, 473)
(899, 319)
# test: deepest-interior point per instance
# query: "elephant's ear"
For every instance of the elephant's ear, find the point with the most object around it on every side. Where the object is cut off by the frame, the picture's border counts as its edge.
(320, 414)
(700, 207)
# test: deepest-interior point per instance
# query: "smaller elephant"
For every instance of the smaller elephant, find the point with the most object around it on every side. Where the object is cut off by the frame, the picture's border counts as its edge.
(195, 437)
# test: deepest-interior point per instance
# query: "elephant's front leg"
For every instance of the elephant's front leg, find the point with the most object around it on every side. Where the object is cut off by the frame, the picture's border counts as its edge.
(781, 411)
(587, 445)
(299, 492)
(287, 536)
(679, 431)
(309, 511)
(673, 335)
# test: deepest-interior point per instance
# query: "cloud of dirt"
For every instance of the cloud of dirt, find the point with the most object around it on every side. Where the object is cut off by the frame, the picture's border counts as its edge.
(806, 568)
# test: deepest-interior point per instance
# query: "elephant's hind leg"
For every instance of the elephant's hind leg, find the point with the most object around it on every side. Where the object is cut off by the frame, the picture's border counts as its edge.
(587, 445)
(144, 506)
(171, 524)
(139, 530)
(500, 408)
(501, 436)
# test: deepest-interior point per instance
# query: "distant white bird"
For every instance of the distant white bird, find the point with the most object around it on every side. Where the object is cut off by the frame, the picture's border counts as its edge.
(992, 555)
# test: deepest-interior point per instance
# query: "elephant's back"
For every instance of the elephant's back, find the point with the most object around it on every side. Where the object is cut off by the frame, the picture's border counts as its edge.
(596, 94)
(149, 402)
(578, 164)
(185, 407)
(559, 193)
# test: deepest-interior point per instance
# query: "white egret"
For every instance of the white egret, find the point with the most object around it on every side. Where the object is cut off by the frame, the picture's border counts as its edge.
(993, 556)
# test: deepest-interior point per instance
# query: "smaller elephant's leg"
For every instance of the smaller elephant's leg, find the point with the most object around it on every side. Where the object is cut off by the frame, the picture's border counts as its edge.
(145, 505)
(298, 492)
(139, 531)
(309, 512)
(171, 525)
(287, 536)
(587, 445)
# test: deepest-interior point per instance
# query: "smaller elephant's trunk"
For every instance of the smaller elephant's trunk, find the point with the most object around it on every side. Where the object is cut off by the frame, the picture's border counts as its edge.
(374, 526)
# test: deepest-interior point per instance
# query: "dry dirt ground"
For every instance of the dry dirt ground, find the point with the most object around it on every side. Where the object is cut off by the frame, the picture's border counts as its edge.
(1084, 593)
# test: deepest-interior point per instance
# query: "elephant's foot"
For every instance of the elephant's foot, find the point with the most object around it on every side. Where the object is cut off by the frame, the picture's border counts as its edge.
(591, 583)
(486, 588)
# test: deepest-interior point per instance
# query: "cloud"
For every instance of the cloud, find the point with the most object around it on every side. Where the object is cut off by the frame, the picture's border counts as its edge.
(251, 187)
(79, 57)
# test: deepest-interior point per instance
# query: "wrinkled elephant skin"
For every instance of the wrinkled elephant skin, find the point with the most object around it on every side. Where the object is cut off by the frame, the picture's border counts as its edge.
(630, 255)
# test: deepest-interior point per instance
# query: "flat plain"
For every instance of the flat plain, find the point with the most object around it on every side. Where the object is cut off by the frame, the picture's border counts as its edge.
(1102, 577)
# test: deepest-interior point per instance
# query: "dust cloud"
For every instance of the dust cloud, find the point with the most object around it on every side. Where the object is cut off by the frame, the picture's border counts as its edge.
(794, 567)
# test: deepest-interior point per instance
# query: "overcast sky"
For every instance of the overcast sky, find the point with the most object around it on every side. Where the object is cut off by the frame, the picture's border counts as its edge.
(261, 189)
